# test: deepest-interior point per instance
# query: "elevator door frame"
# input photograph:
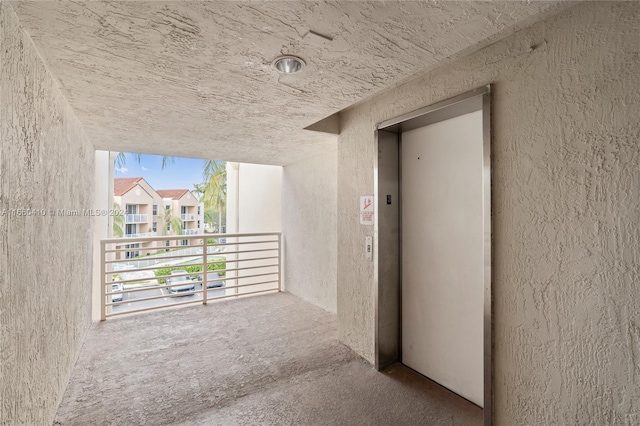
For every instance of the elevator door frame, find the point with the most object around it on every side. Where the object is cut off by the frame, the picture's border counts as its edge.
(388, 227)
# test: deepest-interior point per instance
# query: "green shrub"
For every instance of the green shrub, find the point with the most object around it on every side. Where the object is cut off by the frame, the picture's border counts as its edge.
(194, 269)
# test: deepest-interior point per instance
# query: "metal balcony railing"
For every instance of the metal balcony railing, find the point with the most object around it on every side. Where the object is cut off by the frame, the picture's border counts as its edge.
(190, 231)
(235, 264)
(136, 218)
(188, 217)
(137, 235)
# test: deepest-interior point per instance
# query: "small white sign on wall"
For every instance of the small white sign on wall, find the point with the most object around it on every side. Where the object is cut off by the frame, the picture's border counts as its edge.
(366, 210)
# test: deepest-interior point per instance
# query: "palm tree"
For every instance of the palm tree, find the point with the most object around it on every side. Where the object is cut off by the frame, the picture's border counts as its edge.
(214, 187)
(121, 159)
(118, 221)
(209, 216)
(198, 190)
(169, 219)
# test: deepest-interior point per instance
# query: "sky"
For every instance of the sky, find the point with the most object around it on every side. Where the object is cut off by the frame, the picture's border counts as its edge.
(182, 173)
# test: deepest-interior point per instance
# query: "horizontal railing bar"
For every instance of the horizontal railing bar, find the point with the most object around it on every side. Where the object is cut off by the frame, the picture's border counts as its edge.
(181, 247)
(243, 269)
(142, 240)
(187, 302)
(155, 267)
(185, 237)
(150, 308)
(248, 251)
(145, 299)
(133, 280)
(198, 245)
(241, 243)
(236, 278)
(161, 249)
(150, 287)
(187, 293)
(221, 255)
(150, 256)
(180, 256)
(223, 260)
(160, 286)
(240, 260)
(132, 290)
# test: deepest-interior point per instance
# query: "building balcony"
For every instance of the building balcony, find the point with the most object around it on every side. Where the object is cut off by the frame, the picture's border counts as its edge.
(190, 231)
(136, 218)
(187, 217)
(139, 235)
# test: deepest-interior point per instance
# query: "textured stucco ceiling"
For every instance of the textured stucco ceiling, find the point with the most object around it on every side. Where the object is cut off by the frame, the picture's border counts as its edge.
(195, 78)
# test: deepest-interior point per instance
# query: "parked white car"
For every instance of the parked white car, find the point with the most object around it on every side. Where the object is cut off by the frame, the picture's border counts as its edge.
(213, 280)
(182, 284)
(117, 288)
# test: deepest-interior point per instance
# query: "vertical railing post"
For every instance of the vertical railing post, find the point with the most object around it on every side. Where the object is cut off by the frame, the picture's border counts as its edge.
(103, 284)
(234, 265)
(279, 261)
(205, 263)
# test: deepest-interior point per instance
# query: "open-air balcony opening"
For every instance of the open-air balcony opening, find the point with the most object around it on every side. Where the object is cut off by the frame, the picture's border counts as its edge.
(183, 254)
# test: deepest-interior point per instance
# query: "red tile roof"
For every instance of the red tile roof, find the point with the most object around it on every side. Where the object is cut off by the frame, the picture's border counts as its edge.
(174, 194)
(123, 185)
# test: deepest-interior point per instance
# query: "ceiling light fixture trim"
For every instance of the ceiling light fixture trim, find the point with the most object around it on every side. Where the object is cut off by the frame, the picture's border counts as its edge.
(288, 64)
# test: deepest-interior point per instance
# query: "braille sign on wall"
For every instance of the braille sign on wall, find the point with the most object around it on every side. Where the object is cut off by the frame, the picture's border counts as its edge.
(366, 210)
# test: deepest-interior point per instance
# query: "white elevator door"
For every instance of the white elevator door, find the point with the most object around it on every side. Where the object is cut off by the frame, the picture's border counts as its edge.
(442, 253)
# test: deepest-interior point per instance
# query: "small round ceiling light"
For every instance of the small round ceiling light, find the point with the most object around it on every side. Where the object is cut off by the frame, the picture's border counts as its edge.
(288, 64)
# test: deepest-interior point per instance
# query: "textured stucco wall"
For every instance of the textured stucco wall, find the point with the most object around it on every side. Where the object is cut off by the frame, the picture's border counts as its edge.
(254, 195)
(309, 216)
(45, 262)
(260, 195)
(566, 221)
(102, 225)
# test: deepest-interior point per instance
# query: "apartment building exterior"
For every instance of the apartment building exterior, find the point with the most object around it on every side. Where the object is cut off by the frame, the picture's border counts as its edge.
(140, 203)
(144, 212)
(184, 205)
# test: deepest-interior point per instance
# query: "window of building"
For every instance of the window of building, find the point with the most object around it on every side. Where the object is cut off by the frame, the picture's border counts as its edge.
(185, 242)
(131, 229)
(131, 254)
(154, 228)
(155, 210)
